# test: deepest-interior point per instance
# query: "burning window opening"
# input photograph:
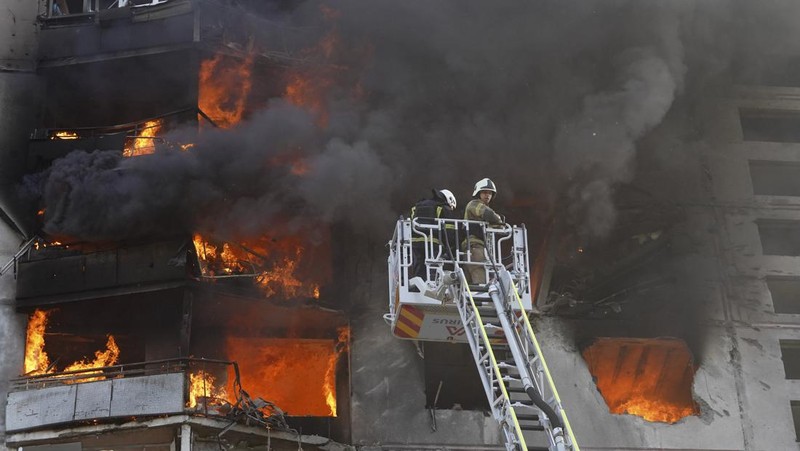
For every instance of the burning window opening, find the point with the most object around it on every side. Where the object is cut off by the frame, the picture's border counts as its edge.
(37, 361)
(280, 268)
(224, 85)
(299, 375)
(649, 378)
(64, 135)
(144, 138)
(197, 394)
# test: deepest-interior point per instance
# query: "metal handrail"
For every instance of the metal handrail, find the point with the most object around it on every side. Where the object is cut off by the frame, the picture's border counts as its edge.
(115, 371)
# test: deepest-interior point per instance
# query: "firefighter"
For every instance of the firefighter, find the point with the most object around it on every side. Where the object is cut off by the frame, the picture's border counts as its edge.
(442, 204)
(478, 210)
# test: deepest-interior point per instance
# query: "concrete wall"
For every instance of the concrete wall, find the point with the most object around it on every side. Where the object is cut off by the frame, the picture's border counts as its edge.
(740, 384)
(387, 376)
(18, 35)
(19, 89)
(12, 324)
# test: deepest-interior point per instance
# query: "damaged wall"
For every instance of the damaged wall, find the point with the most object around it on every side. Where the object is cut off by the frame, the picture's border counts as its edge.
(12, 324)
(20, 91)
(371, 153)
(387, 375)
(720, 302)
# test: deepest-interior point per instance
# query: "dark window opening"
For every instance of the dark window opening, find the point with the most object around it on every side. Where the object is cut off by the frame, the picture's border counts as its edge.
(785, 294)
(790, 354)
(775, 178)
(772, 126)
(796, 417)
(779, 237)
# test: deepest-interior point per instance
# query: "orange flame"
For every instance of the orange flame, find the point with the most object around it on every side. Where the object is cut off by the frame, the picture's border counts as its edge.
(144, 142)
(36, 360)
(329, 386)
(65, 135)
(310, 92)
(281, 279)
(101, 359)
(650, 378)
(224, 88)
(278, 267)
(202, 385)
(298, 375)
(655, 410)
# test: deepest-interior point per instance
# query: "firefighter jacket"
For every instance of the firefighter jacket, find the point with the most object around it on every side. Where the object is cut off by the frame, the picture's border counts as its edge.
(426, 211)
(478, 211)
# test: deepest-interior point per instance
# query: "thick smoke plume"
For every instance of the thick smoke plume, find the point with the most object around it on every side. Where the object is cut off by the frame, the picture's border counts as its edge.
(550, 99)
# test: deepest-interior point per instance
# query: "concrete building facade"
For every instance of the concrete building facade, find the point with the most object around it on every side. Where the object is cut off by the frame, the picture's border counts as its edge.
(735, 261)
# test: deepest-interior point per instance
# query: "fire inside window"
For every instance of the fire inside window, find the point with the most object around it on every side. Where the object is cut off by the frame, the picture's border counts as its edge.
(650, 378)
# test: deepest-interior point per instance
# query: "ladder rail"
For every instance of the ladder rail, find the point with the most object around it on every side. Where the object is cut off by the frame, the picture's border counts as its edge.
(500, 405)
(521, 367)
(546, 371)
(525, 361)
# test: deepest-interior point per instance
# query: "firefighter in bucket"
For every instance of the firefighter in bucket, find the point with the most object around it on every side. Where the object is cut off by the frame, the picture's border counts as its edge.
(442, 204)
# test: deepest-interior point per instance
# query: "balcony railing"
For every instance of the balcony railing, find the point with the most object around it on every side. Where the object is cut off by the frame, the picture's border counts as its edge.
(136, 390)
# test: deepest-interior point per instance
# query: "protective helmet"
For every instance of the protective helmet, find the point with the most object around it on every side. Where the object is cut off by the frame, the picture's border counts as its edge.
(449, 197)
(484, 185)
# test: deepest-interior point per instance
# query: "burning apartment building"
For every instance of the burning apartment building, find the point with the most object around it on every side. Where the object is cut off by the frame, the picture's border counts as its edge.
(197, 197)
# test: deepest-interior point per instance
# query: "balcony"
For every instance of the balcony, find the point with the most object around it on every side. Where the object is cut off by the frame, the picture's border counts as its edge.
(155, 388)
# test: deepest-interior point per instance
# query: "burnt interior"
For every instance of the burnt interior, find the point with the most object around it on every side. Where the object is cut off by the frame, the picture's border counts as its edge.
(196, 319)
(151, 293)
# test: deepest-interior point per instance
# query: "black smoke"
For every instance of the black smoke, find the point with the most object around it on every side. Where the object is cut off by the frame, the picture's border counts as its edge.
(550, 99)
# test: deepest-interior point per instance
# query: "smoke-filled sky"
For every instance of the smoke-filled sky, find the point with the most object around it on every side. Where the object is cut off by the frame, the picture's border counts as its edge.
(548, 98)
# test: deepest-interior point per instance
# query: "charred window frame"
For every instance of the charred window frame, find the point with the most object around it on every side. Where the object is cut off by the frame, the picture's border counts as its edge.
(770, 125)
(779, 237)
(785, 293)
(790, 354)
(775, 178)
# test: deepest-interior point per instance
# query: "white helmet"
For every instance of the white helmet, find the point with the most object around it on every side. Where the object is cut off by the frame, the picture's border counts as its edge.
(449, 197)
(484, 185)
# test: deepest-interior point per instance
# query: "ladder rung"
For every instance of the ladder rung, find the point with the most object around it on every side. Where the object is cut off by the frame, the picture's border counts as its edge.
(531, 428)
(479, 288)
(528, 404)
(527, 417)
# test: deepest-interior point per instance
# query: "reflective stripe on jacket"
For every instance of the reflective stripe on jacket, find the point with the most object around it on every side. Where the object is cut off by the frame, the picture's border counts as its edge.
(478, 211)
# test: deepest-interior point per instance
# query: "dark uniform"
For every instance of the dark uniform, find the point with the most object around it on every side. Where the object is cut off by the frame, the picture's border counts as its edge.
(426, 211)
